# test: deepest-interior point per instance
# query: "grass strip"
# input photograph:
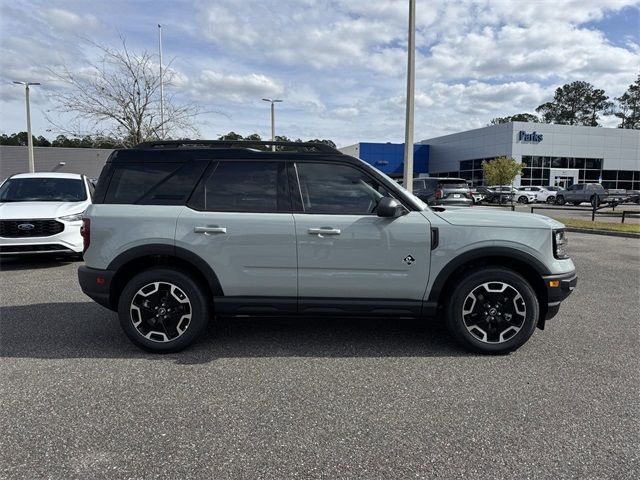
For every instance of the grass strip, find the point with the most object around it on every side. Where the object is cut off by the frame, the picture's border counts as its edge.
(605, 226)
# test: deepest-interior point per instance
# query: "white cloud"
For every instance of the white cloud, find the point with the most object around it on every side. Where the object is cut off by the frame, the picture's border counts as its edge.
(68, 20)
(217, 86)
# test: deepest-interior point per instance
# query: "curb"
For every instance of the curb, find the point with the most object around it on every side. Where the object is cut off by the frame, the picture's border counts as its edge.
(603, 232)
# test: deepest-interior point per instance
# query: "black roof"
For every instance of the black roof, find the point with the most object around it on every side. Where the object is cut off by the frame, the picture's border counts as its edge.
(185, 150)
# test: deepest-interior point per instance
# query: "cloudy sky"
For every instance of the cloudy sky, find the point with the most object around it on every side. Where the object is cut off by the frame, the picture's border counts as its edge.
(339, 65)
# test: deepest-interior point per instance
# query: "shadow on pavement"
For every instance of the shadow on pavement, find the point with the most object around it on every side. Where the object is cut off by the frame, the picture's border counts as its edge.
(34, 262)
(86, 330)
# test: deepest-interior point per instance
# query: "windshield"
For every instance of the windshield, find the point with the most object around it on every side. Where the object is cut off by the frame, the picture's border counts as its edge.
(43, 190)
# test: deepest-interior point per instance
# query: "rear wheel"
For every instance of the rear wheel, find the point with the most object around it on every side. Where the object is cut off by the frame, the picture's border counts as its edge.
(493, 311)
(163, 310)
(523, 199)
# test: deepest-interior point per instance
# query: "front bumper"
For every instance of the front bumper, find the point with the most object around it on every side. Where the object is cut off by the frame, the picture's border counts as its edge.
(96, 284)
(67, 241)
(558, 287)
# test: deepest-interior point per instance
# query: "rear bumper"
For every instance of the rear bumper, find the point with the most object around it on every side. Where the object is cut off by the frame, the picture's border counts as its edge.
(566, 283)
(96, 284)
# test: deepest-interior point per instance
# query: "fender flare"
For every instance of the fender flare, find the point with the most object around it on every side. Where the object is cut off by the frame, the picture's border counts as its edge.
(481, 253)
(171, 251)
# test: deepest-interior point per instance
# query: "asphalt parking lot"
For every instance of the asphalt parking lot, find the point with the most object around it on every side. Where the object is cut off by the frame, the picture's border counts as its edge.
(273, 398)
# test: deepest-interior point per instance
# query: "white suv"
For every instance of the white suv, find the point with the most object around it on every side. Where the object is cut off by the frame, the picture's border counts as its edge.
(42, 213)
(543, 194)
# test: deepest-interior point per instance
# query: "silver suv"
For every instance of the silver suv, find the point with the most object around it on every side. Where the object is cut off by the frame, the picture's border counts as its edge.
(182, 231)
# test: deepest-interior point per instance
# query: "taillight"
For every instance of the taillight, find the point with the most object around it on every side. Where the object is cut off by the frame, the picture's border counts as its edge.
(85, 231)
(438, 194)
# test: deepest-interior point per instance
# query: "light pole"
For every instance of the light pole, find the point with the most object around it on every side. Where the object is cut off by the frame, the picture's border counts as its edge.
(408, 133)
(273, 120)
(29, 137)
(161, 83)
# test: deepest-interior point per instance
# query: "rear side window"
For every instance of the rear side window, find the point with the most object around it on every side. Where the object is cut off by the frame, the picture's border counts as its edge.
(154, 183)
(238, 186)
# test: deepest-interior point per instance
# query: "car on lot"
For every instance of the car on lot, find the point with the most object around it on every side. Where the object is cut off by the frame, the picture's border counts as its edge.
(593, 193)
(520, 196)
(182, 231)
(491, 196)
(443, 191)
(543, 194)
(41, 213)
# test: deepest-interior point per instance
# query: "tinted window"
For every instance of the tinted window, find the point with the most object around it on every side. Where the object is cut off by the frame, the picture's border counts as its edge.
(43, 190)
(154, 184)
(130, 183)
(338, 189)
(241, 187)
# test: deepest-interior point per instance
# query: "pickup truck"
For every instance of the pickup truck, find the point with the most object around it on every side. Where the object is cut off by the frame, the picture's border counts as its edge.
(594, 193)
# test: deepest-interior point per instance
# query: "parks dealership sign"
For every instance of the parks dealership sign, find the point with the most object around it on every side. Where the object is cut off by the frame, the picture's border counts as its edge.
(529, 137)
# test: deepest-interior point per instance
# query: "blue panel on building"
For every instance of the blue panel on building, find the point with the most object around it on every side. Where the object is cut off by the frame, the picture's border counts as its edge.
(389, 157)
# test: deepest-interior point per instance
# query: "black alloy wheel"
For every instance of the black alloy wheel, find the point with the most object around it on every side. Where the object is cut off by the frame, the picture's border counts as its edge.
(163, 310)
(493, 311)
(560, 200)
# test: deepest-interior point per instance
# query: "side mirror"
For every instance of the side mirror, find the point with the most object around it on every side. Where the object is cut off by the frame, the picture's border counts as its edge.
(389, 207)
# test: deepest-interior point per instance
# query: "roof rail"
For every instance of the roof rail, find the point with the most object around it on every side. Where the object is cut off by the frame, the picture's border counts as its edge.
(298, 146)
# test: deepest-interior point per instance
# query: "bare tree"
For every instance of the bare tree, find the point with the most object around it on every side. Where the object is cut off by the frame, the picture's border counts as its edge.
(119, 97)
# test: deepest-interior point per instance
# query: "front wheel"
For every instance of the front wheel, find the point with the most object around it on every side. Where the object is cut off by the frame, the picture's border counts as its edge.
(493, 311)
(163, 310)
(551, 200)
(559, 200)
(523, 199)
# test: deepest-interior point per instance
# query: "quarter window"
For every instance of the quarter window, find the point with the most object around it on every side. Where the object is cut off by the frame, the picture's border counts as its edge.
(338, 189)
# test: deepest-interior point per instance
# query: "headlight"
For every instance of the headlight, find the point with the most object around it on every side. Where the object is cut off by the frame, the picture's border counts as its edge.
(76, 217)
(560, 244)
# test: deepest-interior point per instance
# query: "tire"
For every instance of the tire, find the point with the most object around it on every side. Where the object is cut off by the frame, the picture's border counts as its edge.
(523, 199)
(560, 200)
(169, 290)
(551, 200)
(507, 324)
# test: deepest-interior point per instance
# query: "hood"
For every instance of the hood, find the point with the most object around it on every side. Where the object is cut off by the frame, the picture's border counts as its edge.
(494, 217)
(33, 210)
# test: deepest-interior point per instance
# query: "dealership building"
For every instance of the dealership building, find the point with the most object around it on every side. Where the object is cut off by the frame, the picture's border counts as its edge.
(552, 154)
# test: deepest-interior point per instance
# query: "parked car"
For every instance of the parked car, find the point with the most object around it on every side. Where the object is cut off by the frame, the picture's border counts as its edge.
(633, 196)
(491, 196)
(543, 194)
(520, 196)
(594, 193)
(181, 230)
(42, 213)
(443, 191)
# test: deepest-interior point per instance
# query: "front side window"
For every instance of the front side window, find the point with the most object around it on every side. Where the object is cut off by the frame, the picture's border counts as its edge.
(238, 186)
(43, 189)
(338, 189)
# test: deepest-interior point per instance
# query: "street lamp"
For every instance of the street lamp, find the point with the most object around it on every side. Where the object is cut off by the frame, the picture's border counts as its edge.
(273, 120)
(29, 137)
(408, 131)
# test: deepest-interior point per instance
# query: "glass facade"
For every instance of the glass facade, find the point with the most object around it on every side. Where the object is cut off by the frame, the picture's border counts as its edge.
(537, 172)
